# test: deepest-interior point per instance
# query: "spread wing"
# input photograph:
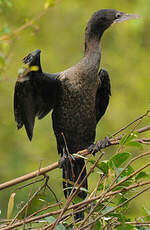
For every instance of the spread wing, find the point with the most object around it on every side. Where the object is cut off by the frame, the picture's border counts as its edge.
(35, 95)
(103, 94)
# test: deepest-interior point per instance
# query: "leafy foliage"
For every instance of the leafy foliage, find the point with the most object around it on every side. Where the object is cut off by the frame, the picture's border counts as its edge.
(10, 205)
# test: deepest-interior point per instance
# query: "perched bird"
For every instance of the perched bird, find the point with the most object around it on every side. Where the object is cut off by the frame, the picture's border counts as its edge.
(78, 97)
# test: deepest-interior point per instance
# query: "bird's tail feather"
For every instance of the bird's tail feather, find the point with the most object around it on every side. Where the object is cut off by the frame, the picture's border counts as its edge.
(71, 172)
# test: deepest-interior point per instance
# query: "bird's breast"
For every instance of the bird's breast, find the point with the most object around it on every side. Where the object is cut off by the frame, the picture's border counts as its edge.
(75, 114)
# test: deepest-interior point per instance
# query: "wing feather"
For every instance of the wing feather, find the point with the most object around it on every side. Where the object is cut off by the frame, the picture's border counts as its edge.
(103, 94)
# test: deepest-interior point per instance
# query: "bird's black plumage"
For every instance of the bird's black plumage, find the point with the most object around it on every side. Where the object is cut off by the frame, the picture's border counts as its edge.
(35, 93)
(79, 97)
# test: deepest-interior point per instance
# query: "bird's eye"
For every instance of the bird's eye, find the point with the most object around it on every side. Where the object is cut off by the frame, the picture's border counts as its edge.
(118, 15)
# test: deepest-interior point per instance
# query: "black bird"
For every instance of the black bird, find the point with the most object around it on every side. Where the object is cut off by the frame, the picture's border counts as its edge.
(78, 97)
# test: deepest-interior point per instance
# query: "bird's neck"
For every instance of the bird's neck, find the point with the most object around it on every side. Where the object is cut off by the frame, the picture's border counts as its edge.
(39, 68)
(92, 39)
(92, 54)
(92, 46)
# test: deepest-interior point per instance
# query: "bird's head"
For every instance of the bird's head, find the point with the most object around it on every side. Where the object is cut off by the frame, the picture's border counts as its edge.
(32, 58)
(103, 19)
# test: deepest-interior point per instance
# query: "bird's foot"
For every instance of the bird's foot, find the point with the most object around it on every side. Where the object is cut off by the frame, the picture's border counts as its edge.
(65, 159)
(94, 148)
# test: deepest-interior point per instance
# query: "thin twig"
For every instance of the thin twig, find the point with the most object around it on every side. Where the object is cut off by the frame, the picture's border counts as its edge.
(139, 224)
(85, 203)
(85, 152)
(46, 208)
(125, 127)
(24, 26)
(28, 202)
(113, 185)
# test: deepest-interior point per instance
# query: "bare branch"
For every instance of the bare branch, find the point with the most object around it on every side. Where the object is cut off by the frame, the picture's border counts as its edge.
(29, 176)
(131, 123)
(85, 152)
(81, 204)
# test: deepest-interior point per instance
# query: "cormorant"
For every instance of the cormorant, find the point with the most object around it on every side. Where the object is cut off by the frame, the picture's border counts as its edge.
(78, 97)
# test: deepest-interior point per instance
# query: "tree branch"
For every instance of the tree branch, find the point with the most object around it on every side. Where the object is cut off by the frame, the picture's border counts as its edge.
(85, 152)
(24, 26)
(81, 205)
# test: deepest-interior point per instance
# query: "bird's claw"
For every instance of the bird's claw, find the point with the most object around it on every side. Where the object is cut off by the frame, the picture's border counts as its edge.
(65, 159)
(94, 148)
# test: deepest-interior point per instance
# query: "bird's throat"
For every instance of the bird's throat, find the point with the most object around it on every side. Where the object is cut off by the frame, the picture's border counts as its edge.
(92, 53)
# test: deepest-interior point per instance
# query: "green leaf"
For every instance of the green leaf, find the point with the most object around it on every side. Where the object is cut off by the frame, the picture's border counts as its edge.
(107, 209)
(129, 170)
(71, 227)
(38, 202)
(100, 187)
(141, 175)
(142, 228)
(135, 144)
(117, 170)
(147, 218)
(127, 182)
(124, 173)
(99, 207)
(77, 200)
(121, 217)
(10, 205)
(119, 159)
(104, 166)
(123, 199)
(97, 226)
(92, 161)
(51, 220)
(60, 227)
(128, 137)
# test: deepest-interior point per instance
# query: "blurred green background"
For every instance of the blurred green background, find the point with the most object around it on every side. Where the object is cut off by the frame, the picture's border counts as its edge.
(60, 36)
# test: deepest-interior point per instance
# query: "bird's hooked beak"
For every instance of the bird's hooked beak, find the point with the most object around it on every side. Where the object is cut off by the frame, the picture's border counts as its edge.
(124, 17)
(36, 52)
(30, 57)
